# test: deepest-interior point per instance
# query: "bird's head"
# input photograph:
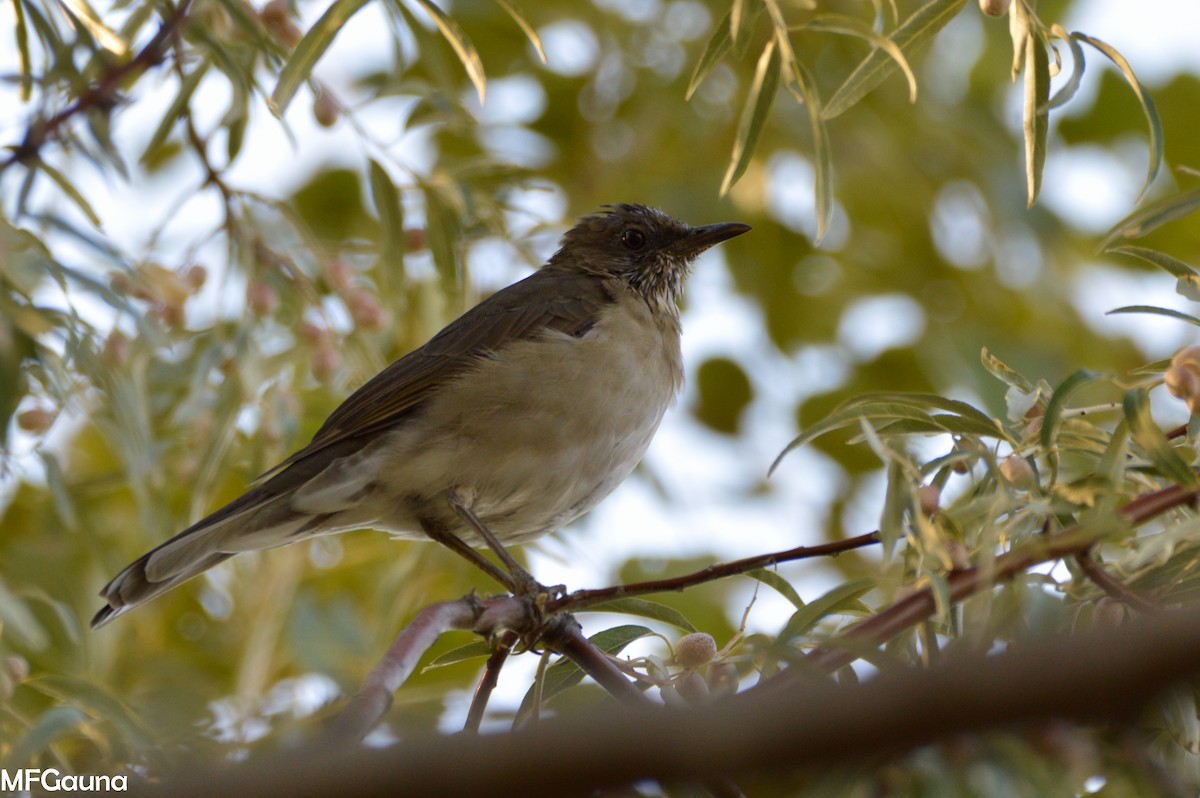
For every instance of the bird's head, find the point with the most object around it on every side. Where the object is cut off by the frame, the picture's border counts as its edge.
(643, 246)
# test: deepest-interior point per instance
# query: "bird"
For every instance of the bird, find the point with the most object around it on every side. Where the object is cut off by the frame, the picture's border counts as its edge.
(514, 420)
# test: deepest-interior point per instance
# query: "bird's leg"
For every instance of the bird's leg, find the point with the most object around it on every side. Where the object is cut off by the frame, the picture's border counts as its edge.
(456, 545)
(524, 583)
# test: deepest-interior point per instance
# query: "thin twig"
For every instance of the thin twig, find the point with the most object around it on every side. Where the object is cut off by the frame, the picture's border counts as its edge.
(1112, 586)
(563, 634)
(491, 675)
(103, 92)
(581, 599)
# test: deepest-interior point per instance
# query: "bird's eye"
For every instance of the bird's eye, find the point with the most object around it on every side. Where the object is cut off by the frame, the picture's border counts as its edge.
(633, 239)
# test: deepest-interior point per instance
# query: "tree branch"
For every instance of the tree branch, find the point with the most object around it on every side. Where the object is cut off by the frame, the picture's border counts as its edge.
(1102, 676)
(581, 599)
(103, 92)
(1114, 587)
(915, 608)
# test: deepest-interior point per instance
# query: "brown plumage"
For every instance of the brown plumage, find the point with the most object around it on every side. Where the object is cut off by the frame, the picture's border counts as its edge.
(538, 402)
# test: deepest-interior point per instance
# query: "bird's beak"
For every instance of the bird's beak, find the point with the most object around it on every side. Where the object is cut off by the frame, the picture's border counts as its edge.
(701, 238)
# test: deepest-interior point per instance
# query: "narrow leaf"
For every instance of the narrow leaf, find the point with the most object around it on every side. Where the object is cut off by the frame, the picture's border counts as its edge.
(755, 113)
(823, 166)
(718, 44)
(460, 44)
(73, 193)
(49, 726)
(1078, 66)
(1139, 223)
(918, 29)
(1004, 373)
(1163, 261)
(474, 650)
(22, 34)
(842, 598)
(777, 583)
(441, 234)
(175, 112)
(1144, 99)
(885, 406)
(1037, 114)
(849, 26)
(565, 673)
(309, 50)
(741, 15)
(86, 16)
(896, 501)
(1154, 443)
(386, 197)
(1156, 311)
(646, 609)
(522, 23)
(1058, 403)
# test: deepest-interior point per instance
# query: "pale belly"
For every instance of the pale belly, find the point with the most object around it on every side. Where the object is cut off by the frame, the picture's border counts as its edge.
(538, 438)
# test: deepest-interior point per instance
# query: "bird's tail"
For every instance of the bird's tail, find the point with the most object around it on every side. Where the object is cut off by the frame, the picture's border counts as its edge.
(132, 586)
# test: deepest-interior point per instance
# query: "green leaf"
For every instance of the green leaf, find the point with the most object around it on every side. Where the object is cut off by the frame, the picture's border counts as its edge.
(175, 112)
(741, 16)
(22, 33)
(718, 44)
(474, 650)
(564, 673)
(309, 50)
(1156, 311)
(530, 32)
(1079, 65)
(1139, 223)
(49, 726)
(235, 137)
(780, 585)
(823, 167)
(843, 598)
(441, 235)
(460, 44)
(918, 29)
(1162, 260)
(646, 609)
(1037, 113)
(888, 410)
(897, 501)
(98, 703)
(1144, 99)
(386, 197)
(1005, 374)
(849, 26)
(1058, 403)
(755, 113)
(73, 193)
(1158, 449)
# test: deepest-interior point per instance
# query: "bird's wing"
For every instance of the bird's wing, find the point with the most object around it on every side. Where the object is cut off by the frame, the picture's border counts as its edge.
(548, 299)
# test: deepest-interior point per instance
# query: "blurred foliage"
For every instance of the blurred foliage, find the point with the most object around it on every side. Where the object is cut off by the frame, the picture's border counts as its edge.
(146, 379)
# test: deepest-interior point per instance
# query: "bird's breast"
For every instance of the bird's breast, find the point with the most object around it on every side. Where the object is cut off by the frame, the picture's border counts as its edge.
(548, 426)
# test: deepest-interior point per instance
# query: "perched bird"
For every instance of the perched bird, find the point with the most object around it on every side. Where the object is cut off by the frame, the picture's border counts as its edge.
(514, 420)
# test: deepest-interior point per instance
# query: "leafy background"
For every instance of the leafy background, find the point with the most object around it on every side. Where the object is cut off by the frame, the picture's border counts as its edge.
(191, 284)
